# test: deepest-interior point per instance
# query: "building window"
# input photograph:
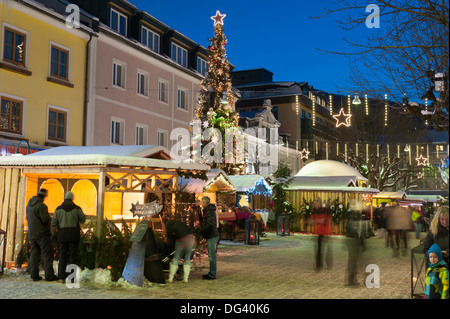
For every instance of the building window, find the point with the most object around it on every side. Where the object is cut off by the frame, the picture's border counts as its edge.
(162, 137)
(117, 131)
(202, 66)
(182, 99)
(150, 39)
(14, 49)
(141, 134)
(119, 74)
(11, 115)
(179, 54)
(57, 125)
(309, 115)
(142, 83)
(59, 63)
(303, 114)
(118, 22)
(163, 89)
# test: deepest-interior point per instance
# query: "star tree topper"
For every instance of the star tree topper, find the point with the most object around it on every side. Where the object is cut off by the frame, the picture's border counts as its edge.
(342, 118)
(218, 18)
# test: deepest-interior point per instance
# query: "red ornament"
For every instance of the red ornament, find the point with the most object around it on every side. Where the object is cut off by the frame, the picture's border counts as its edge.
(210, 47)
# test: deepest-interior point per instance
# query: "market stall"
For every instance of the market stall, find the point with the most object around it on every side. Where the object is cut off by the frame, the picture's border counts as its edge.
(399, 197)
(252, 191)
(329, 181)
(105, 186)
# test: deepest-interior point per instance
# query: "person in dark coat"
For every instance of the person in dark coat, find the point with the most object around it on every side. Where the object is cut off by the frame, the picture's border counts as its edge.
(39, 235)
(66, 228)
(182, 237)
(355, 245)
(210, 232)
(438, 233)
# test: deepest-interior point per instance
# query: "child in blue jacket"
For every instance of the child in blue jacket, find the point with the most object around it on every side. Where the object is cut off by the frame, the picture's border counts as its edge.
(436, 278)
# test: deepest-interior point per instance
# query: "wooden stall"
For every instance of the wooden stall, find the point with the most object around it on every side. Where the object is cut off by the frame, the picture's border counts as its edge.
(252, 191)
(105, 186)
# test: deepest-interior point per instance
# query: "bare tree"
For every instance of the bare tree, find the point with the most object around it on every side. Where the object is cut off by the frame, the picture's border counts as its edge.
(402, 57)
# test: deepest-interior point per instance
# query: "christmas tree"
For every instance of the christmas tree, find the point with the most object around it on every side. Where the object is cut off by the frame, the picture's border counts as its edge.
(216, 106)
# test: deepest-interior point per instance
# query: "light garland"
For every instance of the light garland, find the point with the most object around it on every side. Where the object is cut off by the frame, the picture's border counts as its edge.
(426, 110)
(331, 104)
(367, 105)
(385, 110)
(388, 155)
(341, 115)
(314, 110)
(349, 109)
(260, 182)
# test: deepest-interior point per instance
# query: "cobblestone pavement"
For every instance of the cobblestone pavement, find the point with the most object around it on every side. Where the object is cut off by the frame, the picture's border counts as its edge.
(279, 268)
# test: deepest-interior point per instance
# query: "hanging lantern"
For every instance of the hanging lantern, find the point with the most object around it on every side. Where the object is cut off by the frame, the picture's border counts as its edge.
(356, 100)
(252, 231)
(283, 225)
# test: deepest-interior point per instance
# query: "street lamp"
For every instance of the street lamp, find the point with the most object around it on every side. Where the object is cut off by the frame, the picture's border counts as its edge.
(356, 100)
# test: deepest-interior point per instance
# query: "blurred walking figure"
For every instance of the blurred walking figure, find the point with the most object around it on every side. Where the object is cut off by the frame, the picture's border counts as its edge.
(39, 234)
(417, 218)
(321, 219)
(210, 232)
(66, 228)
(385, 214)
(356, 231)
(400, 222)
(182, 237)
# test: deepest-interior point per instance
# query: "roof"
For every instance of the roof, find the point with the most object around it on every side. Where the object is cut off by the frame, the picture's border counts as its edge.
(95, 160)
(215, 177)
(328, 183)
(327, 168)
(251, 184)
(392, 195)
(426, 198)
(114, 150)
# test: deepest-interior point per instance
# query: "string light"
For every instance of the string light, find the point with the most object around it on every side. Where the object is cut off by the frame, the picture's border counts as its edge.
(349, 109)
(426, 110)
(357, 149)
(326, 145)
(367, 152)
(337, 149)
(437, 151)
(388, 155)
(317, 147)
(428, 152)
(385, 110)
(398, 150)
(345, 152)
(378, 150)
(410, 154)
(331, 104)
(314, 110)
(367, 105)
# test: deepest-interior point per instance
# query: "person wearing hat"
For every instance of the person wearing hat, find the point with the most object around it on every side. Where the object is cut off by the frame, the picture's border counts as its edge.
(66, 228)
(39, 220)
(436, 277)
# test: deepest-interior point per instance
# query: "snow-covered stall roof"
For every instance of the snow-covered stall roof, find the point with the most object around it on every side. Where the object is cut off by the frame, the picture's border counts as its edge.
(391, 195)
(114, 150)
(216, 177)
(328, 168)
(329, 183)
(95, 160)
(251, 184)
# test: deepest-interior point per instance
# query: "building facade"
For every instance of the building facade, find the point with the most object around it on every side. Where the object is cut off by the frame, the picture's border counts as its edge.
(42, 78)
(144, 77)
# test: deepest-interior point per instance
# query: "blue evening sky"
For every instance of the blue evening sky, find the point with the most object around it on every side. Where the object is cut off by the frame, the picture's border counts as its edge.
(274, 34)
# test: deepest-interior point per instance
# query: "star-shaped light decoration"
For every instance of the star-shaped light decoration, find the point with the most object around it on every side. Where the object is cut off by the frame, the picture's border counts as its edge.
(304, 154)
(420, 175)
(205, 124)
(342, 118)
(421, 161)
(218, 18)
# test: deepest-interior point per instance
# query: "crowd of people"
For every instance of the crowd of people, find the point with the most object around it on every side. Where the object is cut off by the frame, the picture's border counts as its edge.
(395, 221)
